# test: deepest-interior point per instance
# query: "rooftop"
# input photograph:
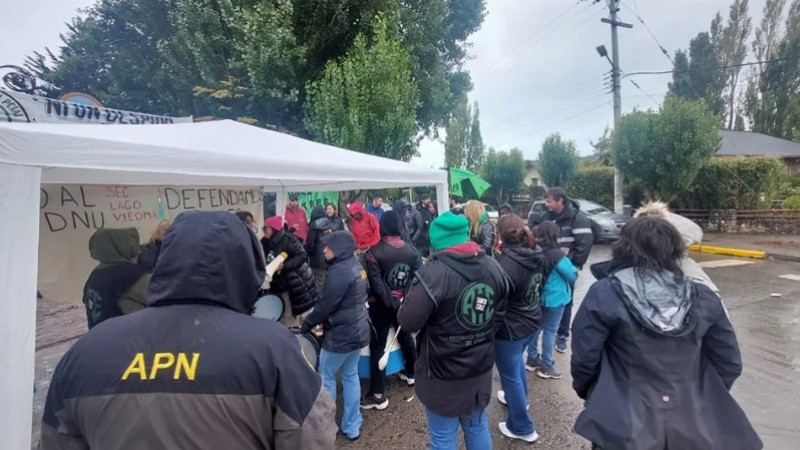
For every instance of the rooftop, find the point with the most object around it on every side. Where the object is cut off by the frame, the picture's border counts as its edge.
(748, 143)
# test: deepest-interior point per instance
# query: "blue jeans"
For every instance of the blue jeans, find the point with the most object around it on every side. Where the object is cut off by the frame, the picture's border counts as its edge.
(331, 363)
(551, 317)
(444, 430)
(508, 357)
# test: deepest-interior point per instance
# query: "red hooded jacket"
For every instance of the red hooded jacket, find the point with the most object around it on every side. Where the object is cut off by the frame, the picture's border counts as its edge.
(298, 220)
(366, 229)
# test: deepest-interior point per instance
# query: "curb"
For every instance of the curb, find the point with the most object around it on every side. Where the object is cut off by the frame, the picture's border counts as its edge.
(780, 257)
(755, 254)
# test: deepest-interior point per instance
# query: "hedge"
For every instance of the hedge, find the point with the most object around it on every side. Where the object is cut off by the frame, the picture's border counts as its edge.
(594, 183)
(734, 183)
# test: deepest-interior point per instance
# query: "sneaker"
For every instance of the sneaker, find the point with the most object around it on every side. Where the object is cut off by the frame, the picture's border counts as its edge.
(532, 364)
(531, 438)
(561, 344)
(548, 373)
(403, 376)
(370, 401)
(501, 397)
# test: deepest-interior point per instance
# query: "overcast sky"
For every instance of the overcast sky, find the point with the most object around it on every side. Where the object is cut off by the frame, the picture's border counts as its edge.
(533, 63)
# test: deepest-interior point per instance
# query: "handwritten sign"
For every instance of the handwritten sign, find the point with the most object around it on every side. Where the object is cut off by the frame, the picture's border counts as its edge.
(310, 200)
(70, 214)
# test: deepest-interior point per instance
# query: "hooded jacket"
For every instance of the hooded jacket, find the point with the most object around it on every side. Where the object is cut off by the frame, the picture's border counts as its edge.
(655, 359)
(391, 265)
(296, 277)
(366, 229)
(342, 307)
(321, 225)
(560, 276)
(576, 231)
(194, 369)
(519, 314)
(297, 221)
(116, 286)
(452, 303)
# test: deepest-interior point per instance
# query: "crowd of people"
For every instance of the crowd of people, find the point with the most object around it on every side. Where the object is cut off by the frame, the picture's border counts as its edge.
(654, 354)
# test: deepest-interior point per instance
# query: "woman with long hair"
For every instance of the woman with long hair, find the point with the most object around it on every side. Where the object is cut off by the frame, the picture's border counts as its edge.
(654, 354)
(518, 317)
(560, 275)
(481, 230)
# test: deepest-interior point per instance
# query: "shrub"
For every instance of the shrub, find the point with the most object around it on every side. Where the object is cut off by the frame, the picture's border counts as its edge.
(734, 183)
(792, 202)
(594, 183)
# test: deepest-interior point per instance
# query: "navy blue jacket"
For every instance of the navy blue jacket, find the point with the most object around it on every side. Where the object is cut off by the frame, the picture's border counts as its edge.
(342, 307)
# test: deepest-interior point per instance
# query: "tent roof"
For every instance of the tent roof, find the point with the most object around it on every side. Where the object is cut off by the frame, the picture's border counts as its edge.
(206, 153)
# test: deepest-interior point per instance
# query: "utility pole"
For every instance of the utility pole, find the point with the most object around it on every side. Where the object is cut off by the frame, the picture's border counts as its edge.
(613, 8)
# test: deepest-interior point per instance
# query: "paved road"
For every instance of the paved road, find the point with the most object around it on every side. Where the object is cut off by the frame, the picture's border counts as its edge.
(769, 390)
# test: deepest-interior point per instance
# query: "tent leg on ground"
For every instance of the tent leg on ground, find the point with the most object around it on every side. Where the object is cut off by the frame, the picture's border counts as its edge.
(19, 197)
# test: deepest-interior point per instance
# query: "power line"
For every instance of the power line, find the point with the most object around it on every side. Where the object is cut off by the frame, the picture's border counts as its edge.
(554, 124)
(644, 92)
(731, 66)
(650, 32)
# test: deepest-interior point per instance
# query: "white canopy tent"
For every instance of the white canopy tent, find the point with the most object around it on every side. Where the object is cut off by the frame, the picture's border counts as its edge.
(223, 153)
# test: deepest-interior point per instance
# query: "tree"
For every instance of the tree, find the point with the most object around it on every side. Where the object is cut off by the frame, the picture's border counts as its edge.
(251, 58)
(664, 150)
(602, 147)
(367, 101)
(558, 161)
(505, 171)
(733, 50)
(463, 145)
(693, 81)
(774, 90)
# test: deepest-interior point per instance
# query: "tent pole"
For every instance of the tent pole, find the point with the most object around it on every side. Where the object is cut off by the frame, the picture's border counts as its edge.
(442, 197)
(280, 202)
(19, 196)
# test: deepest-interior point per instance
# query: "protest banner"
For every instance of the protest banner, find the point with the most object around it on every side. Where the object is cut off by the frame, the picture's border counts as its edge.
(19, 107)
(70, 214)
(310, 200)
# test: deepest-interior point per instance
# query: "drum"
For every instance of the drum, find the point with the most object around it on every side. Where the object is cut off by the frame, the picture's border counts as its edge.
(309, 346)
(396, 360)
(269, 307)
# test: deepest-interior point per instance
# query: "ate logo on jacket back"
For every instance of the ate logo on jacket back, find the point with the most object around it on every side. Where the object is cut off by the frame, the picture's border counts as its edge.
(533, 292)
(475, 307)
(398, 277)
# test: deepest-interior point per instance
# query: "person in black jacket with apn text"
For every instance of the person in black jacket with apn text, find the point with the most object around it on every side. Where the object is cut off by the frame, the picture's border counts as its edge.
(654, 354)
(519, 316)
(576, 241)
(193, 370)
(451, 302)
(391, 265)
(342, 309)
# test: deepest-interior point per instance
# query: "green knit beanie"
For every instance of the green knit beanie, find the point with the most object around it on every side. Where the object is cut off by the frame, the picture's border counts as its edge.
(449, 230)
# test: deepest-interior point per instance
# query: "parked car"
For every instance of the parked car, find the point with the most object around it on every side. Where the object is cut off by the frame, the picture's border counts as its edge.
(606, 224)
(493, 213)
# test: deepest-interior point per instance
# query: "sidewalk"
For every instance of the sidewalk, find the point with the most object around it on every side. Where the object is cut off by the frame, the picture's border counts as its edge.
(779, 246)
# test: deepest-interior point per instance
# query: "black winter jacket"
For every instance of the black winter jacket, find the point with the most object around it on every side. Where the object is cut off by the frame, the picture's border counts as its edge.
(391, 265)
(655, 359)
(415, 225)
(342, 306)
(148, 254)
(576, 231)
(320, 226)
(452, 302)
(194, 348)
(486, 238)
(520, 314)
(296, 276)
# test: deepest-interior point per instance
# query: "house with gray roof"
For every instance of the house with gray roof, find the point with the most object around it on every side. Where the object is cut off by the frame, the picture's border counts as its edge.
(748, 143)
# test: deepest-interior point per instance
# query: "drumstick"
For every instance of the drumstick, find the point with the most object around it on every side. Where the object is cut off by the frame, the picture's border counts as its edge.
(387, 351)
